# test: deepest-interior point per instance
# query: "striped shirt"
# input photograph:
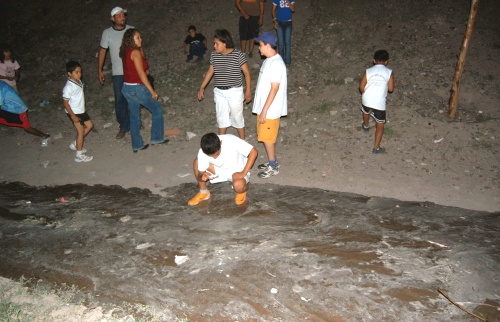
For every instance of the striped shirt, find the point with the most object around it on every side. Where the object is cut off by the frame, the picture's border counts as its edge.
(227, 68)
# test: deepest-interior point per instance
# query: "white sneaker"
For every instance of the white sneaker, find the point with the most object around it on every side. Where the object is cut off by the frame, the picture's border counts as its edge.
(72, 146)
(45, 140)
(83, 158)
(268, 172)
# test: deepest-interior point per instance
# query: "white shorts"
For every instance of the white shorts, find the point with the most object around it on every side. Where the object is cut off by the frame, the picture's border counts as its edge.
(226, 175)
(229, 107)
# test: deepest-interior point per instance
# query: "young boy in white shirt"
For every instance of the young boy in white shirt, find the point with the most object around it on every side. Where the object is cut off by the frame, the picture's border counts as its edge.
(223, 158)
(374, 85)
(270, 101)
(74, 103)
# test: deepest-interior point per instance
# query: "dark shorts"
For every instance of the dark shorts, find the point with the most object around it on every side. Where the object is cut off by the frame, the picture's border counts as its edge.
(12, 119)
(249, 29)
(378, 115)
(84, 117)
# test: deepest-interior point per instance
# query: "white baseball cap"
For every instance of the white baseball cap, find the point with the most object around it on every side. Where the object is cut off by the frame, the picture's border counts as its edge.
(117, 10)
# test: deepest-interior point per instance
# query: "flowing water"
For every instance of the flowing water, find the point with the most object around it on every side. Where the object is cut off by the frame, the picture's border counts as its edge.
(287, 254)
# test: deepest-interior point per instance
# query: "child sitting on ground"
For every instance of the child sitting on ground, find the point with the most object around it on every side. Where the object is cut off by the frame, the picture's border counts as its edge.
(74, 103)
(376, 82)
(223, 158)
(197, 44)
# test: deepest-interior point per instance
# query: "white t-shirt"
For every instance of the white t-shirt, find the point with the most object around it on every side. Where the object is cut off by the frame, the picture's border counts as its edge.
(377, 82)
(73, 92)
(273, 70)
(112, 39)
(8, 68)
(233, 156)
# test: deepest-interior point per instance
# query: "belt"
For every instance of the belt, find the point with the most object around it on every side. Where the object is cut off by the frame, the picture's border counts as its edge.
(131, 83)
(224, 87)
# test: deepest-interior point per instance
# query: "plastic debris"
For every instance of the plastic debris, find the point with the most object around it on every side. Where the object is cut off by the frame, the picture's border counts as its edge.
(274, 290)
(144, 245)
(179, 260)
(125, 218)
(190, 135)
(438, 140)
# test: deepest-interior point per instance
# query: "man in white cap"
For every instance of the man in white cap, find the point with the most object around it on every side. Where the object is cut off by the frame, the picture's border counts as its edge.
(112, 39)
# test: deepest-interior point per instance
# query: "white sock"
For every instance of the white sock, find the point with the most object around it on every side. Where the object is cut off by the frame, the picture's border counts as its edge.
(204, 191)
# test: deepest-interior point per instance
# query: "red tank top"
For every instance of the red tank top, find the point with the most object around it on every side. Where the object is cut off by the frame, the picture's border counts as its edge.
(130, 74)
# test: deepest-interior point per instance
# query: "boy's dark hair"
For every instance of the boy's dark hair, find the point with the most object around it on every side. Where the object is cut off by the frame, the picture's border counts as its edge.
(7, 47)
(275, 47)
(381, 56)
(224, 37)
(210, 143)
(72, 65)
(191, 28)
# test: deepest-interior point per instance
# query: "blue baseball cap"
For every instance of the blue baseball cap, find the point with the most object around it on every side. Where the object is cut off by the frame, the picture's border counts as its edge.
(267, 37)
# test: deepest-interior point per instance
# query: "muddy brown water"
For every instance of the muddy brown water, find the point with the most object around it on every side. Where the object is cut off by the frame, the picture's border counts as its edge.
(327, 256)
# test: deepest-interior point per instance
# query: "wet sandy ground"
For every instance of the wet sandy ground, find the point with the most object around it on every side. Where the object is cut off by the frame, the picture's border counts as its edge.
(288, 254)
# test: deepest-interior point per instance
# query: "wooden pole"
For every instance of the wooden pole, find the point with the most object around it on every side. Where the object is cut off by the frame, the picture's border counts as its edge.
(455, 87)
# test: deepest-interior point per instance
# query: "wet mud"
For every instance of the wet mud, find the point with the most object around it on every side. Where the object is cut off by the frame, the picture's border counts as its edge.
(287, 254)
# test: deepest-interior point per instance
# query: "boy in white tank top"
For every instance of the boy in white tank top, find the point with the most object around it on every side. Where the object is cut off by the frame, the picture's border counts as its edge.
(376, 82)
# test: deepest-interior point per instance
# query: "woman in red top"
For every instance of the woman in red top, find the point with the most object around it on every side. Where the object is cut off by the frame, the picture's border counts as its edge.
(138, 91)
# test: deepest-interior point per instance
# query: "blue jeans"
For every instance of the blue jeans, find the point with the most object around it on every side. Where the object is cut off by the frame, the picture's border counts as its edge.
(136, 96)
(196, 49)
(121, 105)
(285, 41)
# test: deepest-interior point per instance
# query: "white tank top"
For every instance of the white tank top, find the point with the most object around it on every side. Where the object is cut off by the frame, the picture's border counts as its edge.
(377, 78)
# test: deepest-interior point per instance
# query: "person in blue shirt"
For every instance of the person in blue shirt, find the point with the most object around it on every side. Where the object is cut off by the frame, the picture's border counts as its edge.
(13, 112)
(282, 16)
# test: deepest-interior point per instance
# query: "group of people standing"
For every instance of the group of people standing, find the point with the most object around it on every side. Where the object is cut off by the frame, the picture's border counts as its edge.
(252, 17)
(222, 157)
(131, 84)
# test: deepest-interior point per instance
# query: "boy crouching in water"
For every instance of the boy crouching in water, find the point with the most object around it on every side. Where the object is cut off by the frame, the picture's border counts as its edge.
(223, 158)
(74, 103)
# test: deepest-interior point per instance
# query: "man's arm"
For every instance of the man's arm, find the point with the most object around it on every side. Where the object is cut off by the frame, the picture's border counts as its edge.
(291, 4)
(390, 86)
(248, 82)
(206, 80)
(240, 9)
(100, 64)
(273, 14)
(261, 7)
(362, 84)
(252, 156)
(270, 98)
(74, 118)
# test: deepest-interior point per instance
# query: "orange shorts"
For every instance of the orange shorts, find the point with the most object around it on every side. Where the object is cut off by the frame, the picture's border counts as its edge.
(268, 132)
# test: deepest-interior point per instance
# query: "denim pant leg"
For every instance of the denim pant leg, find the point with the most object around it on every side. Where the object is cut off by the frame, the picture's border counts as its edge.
(132, 95)
(121, 105)
(285, 41)
(281, 40)
(196, 49)
(157, 127)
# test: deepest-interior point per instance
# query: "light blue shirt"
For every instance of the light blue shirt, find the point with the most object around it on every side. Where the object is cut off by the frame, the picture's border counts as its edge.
(10, 100)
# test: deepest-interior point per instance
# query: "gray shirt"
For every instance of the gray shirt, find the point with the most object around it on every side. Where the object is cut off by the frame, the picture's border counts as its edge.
(112, 39)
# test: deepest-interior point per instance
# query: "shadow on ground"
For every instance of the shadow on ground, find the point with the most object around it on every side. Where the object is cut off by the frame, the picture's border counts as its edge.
(288, 254)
